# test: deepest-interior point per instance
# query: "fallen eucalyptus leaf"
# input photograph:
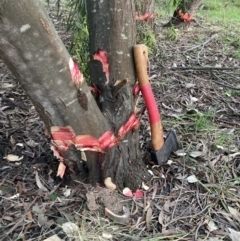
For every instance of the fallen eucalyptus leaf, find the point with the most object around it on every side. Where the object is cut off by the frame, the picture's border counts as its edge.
(211, 226)
(39, 184)
(121, 219)
(189, 85)
(107, 235)
(20, 144)
(148, 218)
(211, 239)
(235, 213)
(14, 196)
(192, 179)
(144, 186)
(195, 154)
(180, 153)
(53, 238)
(13, 158)
(31, 143)
(234, 235)
(151, 172)
(71, 229)
(234, 154)
(193, 99)
(161, 217)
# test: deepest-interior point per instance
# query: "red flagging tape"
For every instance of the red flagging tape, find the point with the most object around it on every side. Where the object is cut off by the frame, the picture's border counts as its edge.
(150, 103)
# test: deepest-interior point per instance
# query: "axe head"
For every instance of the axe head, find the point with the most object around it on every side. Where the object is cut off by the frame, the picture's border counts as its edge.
(170, 145)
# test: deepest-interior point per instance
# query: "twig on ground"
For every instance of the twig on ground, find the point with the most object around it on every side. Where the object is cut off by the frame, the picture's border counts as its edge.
(21, 219)
(201, 45)
(204, 68)
(189, 216)
(223, 83)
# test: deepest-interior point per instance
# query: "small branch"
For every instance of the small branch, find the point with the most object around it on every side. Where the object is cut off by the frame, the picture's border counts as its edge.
(14, 104)
(201, 45)
(207, 68)
(189, 216)
(223, 83)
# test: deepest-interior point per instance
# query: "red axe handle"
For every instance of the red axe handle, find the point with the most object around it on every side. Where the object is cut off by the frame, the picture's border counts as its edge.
(140, 53)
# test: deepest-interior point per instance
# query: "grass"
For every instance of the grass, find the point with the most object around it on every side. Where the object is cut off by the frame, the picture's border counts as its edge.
(203, 122)
(194, 122)
(222, 138)
(213, 10)
(232, 93)
(220, 10)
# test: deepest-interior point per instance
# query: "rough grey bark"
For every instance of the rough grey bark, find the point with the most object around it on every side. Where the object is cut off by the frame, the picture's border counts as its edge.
(35, 54)
(185, 6)
(190, 6)
(145, 6)
(112, 28)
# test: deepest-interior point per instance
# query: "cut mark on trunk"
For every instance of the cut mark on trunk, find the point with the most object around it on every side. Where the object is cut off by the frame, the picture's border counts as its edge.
(102, 56)
(82, 99)
(45, 25)
(77, 76)
(71, 102)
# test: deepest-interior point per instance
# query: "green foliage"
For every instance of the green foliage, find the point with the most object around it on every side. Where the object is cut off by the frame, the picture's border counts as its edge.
(138, 4)
(176, 3)
(172, 34)
(223, 138)
(169, 6)
(232, 93)
(53, 196)
(204, 122)
(225, 11)
(145, 34)
(77, 24)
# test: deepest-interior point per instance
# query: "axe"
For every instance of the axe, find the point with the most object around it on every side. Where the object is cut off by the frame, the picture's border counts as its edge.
(162, 148)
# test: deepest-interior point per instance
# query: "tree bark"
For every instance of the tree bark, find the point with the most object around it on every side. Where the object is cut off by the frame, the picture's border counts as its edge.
(112, 28)
(145, 6)
(184, 12)
(190, 6)
(35, 54)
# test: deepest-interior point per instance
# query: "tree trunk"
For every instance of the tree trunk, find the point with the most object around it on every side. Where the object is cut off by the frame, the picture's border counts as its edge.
(145, 11)
(184, 12)
(36, 56)
(115, 33)
(33, 51)
(145, 6)
(190, 6)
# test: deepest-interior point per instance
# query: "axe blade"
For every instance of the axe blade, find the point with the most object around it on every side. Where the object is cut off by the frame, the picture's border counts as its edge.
(170, 145)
